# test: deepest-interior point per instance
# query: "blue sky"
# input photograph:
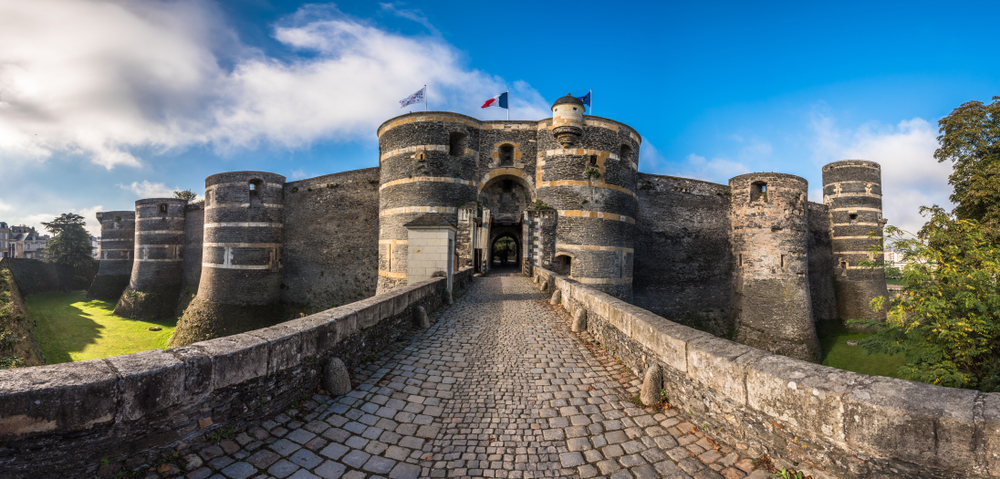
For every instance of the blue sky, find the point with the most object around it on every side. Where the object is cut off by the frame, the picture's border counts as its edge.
(104, 103)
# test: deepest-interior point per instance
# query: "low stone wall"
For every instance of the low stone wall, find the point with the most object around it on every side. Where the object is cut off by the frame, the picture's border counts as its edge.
(64, 420)
(831, 422)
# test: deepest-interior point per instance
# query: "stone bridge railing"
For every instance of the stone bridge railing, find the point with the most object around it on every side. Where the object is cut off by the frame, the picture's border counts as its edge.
(832, 421)
(64, 420)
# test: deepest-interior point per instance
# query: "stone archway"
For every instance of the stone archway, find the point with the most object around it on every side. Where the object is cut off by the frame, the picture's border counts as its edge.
(506, 196)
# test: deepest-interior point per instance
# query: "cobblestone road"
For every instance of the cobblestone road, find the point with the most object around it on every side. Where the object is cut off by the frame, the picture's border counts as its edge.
(497, 387)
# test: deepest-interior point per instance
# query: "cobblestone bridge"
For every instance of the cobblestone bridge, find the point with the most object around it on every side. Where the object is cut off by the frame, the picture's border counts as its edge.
(498, 387)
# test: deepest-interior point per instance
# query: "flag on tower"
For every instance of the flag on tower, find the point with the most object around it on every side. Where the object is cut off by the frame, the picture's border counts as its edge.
(586, 98)
(417, 97)
(499, 100)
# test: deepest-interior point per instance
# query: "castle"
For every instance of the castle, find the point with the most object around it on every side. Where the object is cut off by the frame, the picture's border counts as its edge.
(753, 260)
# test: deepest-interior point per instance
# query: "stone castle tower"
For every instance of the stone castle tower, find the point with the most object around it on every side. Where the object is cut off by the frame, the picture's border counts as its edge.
(240, 284)
(852, 189)
(155, 283)
(769, 235)
(117, 245)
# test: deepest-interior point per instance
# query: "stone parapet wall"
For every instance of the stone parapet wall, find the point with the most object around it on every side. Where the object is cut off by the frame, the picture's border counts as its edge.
(62, 420)
(833, 422)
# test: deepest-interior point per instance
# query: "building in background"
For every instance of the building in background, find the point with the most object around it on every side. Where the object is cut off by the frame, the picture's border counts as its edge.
(95, 242)
(26, 242)
(5, 250)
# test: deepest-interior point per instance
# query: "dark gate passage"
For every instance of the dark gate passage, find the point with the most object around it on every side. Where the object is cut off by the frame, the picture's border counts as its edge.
(506, 251)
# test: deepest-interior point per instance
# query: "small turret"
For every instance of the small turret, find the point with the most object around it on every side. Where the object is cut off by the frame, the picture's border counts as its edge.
(567, 120)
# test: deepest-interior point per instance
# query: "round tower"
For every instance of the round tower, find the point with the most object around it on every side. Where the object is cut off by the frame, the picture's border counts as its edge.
(155, 283)
(428, 164)
(852, 190)
(587, 170)
(240, 284)
(117, 244)
(769, 233)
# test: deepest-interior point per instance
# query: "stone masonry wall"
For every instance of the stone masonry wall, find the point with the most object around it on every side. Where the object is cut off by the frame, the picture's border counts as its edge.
(63, 420)
(331, 239)
(839, 423)
(683, 258)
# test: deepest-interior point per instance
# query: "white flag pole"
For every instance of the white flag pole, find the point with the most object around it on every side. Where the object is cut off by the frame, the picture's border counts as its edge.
(508, 105)
(591, 102)
(425, 98)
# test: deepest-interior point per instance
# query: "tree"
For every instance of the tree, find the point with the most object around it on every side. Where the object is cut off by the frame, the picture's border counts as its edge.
(970, 139)
(70, 246)
(947, 321)
(186, 195)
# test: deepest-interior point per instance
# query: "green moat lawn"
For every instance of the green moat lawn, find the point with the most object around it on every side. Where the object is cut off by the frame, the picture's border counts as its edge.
(74, 328)
(837, 354)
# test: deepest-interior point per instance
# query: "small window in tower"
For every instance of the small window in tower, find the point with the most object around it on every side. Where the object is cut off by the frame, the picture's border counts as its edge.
(508, 186)
(163, 208)
(782, 261)
(506, 155)
(625, 153)
(254, 187)
(456, 144)
(854, 216)
(593, 160)
(758, 190)
(843, 265)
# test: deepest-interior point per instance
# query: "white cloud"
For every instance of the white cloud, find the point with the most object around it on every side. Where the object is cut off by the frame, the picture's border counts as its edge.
(149, 190)
(299, 174)
(911, 177)
(5, 206)
(104, 80)
(717, 170)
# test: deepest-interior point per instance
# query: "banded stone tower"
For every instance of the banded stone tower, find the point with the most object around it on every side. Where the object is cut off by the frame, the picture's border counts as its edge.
(587, 170)
(117, 245)
(769, 234)
(155, 284)
(852, 189)
(240, 285)
(428, 165)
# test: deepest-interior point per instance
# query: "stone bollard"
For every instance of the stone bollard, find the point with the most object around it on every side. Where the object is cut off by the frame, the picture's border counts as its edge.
(556, 296)
(420, 318)
(336, 380)
(544, 286)
(652, 385)
(580, 320)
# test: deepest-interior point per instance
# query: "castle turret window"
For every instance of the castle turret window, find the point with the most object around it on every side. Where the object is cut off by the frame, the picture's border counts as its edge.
(163, 208)
(456, 144)
(625, 152)
(506, 155)
(758, 190)
(255, 185)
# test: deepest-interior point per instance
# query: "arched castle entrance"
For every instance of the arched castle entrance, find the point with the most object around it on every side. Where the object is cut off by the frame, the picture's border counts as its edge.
(506, 196)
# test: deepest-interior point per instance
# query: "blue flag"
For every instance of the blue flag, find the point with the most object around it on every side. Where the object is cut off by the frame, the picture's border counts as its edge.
(585, 98)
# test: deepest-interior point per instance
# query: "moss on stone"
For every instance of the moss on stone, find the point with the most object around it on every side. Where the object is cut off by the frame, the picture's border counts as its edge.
(158, 303)
(206, 320)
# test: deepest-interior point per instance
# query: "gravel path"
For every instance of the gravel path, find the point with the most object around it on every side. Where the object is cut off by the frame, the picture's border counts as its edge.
(497, 387)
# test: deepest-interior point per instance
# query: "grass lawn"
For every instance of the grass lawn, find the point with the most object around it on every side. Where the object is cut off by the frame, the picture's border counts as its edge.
(837, 354)
(74, 328)
(894, 281)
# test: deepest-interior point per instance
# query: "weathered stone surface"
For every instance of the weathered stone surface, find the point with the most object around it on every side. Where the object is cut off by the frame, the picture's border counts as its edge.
(420, 318)
(336, 380)
(652, 384)
(61, 398)
(149, 382)
(580, 320)
(912, 422)
(556, 297)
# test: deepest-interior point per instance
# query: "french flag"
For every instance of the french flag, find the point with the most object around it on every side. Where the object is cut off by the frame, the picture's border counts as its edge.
(499, 100)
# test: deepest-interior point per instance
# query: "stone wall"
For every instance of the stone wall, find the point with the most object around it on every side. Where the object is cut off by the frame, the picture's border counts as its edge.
(27, 348)
(683, 258)
(331, 239)
(63, 420)
(829, 422)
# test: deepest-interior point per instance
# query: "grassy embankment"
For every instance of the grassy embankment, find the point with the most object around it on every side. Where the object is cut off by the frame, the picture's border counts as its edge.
(837, 354)
(74, 328)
